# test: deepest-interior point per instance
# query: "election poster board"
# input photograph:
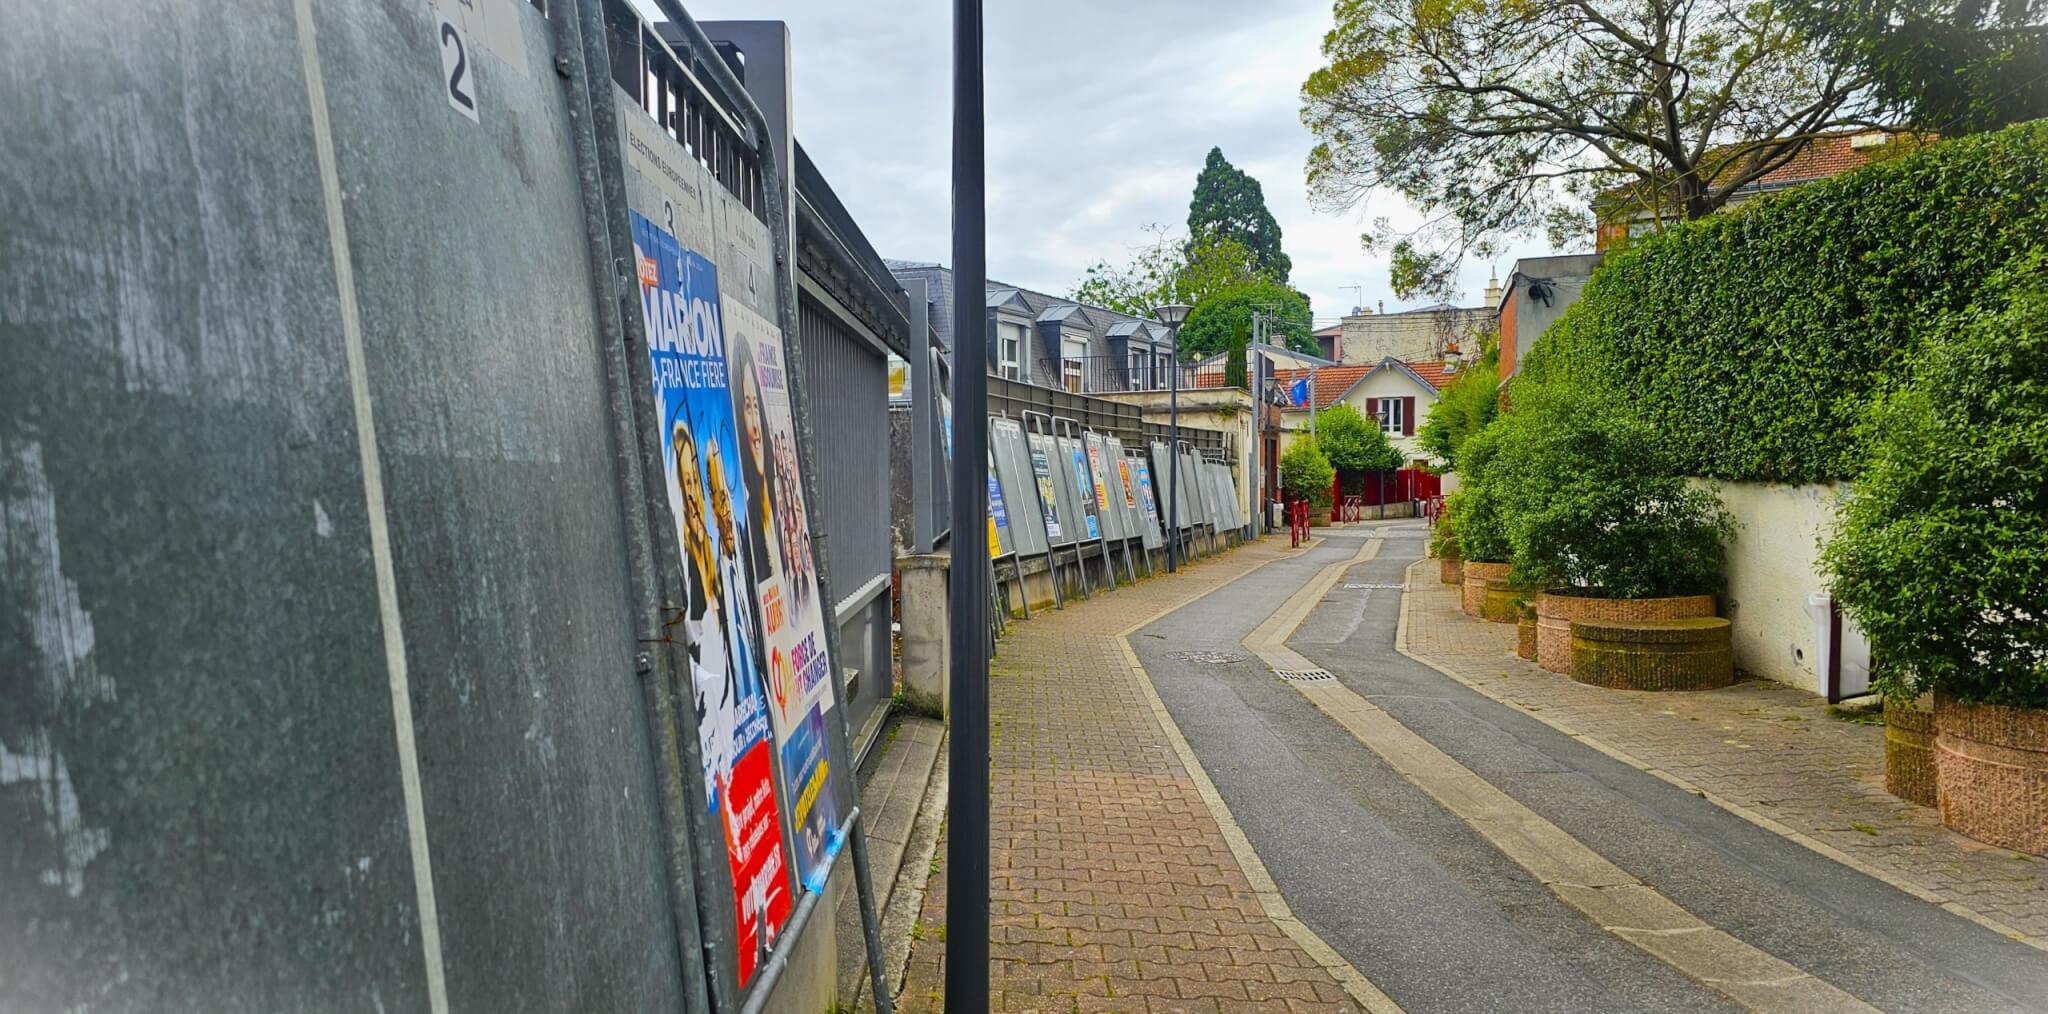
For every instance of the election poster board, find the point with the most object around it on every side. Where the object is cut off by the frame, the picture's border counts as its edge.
(792, 612)
(717, 529)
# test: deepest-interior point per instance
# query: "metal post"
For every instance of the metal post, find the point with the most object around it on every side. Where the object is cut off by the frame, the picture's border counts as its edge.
(924, 409)
(1173, 454)
(967, 857)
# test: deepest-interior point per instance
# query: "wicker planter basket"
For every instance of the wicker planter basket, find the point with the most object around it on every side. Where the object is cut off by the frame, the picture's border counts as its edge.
(1525, 636)
(1556, 612)
(1991, 773)
(1474, 577)
(1450, 570)
(1909, 750)
(1688, 654)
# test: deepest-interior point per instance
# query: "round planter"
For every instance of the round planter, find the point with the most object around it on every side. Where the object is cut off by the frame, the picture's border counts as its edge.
(1688, 654)
(1450, 570)
(1473, 576)
(1503, 602)
(1556, 612)
(1991, 773)
(1525, 636)
(1909, 751)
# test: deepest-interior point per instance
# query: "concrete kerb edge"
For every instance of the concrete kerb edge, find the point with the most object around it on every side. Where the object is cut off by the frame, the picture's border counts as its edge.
(1766, 823)
(1271, 901)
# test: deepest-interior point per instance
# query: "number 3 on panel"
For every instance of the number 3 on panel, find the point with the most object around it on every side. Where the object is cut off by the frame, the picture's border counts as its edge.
(455, 69)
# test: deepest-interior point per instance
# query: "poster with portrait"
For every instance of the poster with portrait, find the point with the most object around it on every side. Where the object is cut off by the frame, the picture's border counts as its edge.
(1048, 498)
(798, 668)
(1123, 467)
(1081, 490)
(716, 526)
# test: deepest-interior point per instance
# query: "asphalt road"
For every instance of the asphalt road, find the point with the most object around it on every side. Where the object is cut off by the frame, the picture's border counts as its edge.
(1437, 917)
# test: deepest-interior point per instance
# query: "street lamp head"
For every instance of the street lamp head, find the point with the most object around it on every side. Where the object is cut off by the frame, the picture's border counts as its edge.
(1172, 314)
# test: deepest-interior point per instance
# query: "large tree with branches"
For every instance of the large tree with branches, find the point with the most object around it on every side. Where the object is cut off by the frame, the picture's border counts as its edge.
(1500, 117)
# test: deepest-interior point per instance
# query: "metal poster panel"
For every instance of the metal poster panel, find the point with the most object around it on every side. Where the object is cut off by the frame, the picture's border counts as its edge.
(1075, 462)
(1107, 509)
(1019, 486)
(1193, 511)
(1173, 512)
(1141, 490)
(715, 524)
(1046, 474)
(799, 669)
(1121, 502)
(998, 513)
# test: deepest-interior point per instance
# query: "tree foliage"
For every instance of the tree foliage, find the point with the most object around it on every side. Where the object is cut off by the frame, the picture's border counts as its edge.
(1949, 66)
(1234, 363)
(1351, 443)
(1499, 117)
(1230, 205)
(1753, 342)
(1164, 270)
(1464, 407)
(1942, 551)
(1305, 471)
(1221, 313)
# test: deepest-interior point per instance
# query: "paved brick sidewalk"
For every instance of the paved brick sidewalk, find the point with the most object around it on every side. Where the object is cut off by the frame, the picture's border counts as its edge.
(1113, 888)
(1767, 747)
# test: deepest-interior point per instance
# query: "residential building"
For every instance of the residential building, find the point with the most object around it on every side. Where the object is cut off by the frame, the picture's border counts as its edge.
(1051, 341)
(1621, 214)
(1366, 337)
(1537, 291)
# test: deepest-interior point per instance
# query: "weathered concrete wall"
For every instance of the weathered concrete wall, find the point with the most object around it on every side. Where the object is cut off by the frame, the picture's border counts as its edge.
(305, 471)
(1772, 568)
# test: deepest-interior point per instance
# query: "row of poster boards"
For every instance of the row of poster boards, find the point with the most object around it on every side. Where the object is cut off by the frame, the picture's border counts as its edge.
(1056, 488)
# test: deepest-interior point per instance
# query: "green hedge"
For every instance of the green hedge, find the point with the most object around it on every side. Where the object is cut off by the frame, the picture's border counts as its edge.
(1753, 340)
(1942, 555)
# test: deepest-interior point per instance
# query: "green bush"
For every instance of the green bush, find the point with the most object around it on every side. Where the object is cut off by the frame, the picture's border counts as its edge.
(1351, 443)
(1941, 554)
(1584, 500)
(1443, 538)
(1753, 340)
(1305, 471)
(1465, 406)
(1482, 527)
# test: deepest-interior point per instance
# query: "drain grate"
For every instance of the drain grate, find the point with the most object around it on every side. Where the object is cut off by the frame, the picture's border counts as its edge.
(1208, 657)
(1305, 675)
(1357, 585)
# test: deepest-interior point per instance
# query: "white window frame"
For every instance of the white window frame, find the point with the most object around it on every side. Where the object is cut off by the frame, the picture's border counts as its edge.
(1140, 359)
(1074, 366)
(1010, 350)
(1391, 421)
(1162, 363)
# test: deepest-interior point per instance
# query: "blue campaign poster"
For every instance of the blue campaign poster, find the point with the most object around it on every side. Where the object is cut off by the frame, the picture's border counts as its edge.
(720, 617)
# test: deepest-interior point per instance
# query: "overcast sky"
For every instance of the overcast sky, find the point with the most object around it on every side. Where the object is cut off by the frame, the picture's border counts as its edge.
(1099, 117)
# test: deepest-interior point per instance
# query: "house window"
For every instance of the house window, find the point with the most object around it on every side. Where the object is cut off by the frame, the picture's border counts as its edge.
(1073, 355)
(1139, 360)
(1391, 421)
(1010, 351)
(1161, 365)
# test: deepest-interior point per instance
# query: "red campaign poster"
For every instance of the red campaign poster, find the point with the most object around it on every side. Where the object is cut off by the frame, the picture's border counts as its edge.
(760, 889)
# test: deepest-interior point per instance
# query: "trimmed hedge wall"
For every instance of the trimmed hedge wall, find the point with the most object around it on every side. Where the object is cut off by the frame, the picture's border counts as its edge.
(1755, 339)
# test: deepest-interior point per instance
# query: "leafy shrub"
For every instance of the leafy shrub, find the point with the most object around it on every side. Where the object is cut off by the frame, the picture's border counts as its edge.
(1587, 502)
(1306, 472)
(1753, 340)
(1443, 538)
(1464, 407)
(1482, 527)
(1941, 553)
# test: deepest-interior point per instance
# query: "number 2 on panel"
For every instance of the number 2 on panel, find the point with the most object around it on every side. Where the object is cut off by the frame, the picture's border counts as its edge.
(455, 69)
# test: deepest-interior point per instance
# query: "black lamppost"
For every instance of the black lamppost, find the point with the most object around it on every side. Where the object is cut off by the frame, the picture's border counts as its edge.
(1172, 315)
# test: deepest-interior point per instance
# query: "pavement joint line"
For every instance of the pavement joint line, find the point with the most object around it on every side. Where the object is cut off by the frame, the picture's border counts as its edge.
(1546, 851)
(1778, 828)
(1361, 989)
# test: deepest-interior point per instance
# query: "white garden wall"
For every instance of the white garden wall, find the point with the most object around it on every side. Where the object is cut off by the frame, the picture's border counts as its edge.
(1772, 569)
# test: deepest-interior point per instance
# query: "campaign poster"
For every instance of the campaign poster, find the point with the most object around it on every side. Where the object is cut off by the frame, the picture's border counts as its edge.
(1145, 489)
(998, 515)
(1123, 467)
(798, 670)
(1081, 490)
(720, 619)
(1101, 484)
(1048, 498)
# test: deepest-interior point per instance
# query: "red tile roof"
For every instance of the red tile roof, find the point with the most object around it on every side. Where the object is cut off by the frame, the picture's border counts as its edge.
(1333, 382)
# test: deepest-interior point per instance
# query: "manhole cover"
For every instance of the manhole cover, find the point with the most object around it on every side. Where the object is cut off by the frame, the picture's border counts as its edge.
(1208, 657)
(1305, 675)
(1355, 586)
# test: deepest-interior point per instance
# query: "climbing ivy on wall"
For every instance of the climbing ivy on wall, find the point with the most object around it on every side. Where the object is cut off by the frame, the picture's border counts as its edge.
(1753, 341)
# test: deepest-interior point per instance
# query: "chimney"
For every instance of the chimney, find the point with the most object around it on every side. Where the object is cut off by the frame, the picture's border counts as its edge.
(1492, 291)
